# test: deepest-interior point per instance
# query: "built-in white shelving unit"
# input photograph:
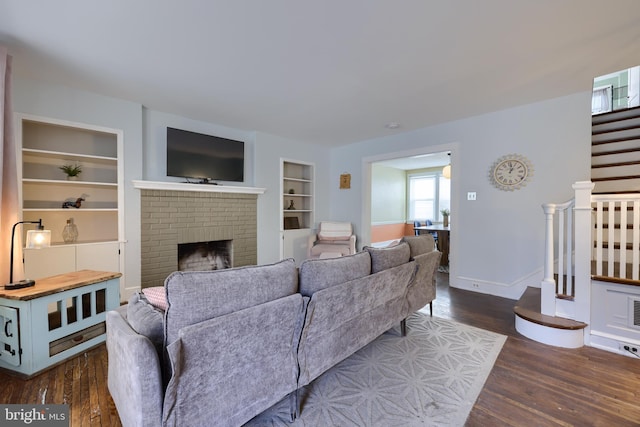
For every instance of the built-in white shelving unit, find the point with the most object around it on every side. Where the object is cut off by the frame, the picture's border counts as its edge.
(296, 207)
(46, 145)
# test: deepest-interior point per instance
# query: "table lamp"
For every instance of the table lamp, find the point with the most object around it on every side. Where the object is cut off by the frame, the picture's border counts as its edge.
(36, 239)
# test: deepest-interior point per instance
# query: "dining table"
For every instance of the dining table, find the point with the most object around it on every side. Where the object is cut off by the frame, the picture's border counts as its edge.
(443, 239)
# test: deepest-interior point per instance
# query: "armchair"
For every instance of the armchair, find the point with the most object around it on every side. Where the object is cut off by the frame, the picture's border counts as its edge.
(333, 239)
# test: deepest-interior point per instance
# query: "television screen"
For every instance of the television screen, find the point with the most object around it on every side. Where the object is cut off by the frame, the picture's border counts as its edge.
(204, 157)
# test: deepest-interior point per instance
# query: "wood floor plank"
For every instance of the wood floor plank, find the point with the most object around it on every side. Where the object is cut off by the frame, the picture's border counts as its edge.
(532, 384)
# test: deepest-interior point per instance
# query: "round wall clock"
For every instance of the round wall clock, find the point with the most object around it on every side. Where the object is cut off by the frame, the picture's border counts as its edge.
(511, 172)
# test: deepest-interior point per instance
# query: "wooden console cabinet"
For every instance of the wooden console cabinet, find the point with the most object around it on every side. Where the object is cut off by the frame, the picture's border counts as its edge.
(57, 318)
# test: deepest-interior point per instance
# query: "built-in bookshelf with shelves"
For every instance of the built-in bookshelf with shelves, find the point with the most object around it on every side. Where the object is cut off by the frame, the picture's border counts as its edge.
(297, 208)
(47, 193)
(297, 197)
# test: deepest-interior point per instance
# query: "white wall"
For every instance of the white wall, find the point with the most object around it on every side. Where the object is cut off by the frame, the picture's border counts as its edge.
(497, 242)
(41, 99)
(388, 195)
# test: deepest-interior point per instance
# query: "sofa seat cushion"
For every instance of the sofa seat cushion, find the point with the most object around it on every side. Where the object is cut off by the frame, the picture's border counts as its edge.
(385, 258)
(195, 296)
(342, 248)
(318, 274)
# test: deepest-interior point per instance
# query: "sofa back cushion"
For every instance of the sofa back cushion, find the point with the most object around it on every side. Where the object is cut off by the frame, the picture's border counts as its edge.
(385, 258)
(419, 245)
(318, 274)
(334, 231)
(146, 320)
(195, 296)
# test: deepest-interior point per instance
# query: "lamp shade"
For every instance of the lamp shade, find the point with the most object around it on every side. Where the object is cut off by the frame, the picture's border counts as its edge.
(446, 171)
(37, 239)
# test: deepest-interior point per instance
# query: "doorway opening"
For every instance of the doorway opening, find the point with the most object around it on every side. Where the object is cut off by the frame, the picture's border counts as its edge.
(407, 189)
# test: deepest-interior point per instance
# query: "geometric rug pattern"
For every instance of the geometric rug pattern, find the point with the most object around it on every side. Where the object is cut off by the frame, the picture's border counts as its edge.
(431, 377)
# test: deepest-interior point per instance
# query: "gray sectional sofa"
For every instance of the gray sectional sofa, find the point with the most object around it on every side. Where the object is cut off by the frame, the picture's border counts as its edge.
(234, 342)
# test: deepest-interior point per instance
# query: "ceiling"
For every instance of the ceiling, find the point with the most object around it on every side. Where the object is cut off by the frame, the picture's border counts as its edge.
(331, 72)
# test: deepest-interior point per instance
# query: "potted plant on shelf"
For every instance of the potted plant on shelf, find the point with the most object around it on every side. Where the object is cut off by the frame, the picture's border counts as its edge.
(72, 171)
(445, 217)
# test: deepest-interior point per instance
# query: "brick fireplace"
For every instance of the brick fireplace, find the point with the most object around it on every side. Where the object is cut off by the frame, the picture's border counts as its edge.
(170, 218)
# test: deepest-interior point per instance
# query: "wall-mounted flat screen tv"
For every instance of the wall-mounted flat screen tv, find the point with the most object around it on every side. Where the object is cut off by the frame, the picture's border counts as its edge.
(204, 157)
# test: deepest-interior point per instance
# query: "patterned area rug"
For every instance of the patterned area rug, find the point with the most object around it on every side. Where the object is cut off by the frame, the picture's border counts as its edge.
(431, 377)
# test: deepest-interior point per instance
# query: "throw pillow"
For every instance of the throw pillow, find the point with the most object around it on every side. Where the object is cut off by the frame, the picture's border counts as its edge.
(419, 244)
(318, 274)
(157, 297)
(385, 258)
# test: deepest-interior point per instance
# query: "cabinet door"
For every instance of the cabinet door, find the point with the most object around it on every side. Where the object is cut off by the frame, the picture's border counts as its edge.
(45, 262)
(295, 244)
(9, 336)
(99, 256)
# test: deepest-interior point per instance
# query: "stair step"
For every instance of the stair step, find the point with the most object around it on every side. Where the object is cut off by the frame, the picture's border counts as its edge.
(616, 245)
(615, 126)
(615, 136)
(615, 178)
(528, 308)
(628, 272)
(611, 165)
(614, 116)
(611, 152)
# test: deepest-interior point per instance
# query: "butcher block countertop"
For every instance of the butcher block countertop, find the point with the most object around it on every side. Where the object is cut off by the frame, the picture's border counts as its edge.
(59, 283)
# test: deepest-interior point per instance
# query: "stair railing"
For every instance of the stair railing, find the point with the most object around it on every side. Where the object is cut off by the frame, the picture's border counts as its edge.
(568, 257)
(617, 235)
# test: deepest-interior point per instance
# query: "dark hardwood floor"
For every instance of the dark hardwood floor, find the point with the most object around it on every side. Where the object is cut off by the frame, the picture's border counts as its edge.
(534, 384)
(531, 384)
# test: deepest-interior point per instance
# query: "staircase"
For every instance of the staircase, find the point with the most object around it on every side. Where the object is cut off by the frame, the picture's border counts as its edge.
(597, 243)
(615, 152)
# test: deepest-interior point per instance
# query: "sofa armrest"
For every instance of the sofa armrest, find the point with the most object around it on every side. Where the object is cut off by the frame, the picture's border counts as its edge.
(134, 377)
(352, 244)
(313, 238)
(422, 289)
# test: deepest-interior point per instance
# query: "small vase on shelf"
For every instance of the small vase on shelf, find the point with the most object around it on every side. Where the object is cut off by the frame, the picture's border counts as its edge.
(70, 232)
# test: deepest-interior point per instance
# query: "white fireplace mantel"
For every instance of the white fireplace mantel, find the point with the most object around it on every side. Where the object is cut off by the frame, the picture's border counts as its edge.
(183, 186)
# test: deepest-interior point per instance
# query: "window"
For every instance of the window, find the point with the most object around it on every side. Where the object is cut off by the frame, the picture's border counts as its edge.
(429, 193)
(601, 99)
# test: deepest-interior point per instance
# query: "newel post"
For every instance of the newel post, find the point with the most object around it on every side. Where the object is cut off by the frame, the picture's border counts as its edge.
(583, 245)
(548, 285)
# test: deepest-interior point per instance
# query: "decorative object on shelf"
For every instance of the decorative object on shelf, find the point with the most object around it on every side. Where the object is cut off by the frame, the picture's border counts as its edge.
(291, 223)
(345, 181)
(71, 204)
(70, 232)
(291, 206)
(36, 239)
(511, 172)
(292, 191)
(72, 171)
(445, 217)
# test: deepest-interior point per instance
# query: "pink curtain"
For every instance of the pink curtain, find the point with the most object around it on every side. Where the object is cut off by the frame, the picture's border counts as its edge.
(9, 176)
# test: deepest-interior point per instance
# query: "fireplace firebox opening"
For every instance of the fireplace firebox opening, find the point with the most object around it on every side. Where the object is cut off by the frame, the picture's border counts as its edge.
(205, 256)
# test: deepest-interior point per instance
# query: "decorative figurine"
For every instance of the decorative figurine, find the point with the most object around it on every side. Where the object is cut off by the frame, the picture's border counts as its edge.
(76, 204)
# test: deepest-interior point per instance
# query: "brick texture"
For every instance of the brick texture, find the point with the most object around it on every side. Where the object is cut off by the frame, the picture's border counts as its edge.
(172, 217)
